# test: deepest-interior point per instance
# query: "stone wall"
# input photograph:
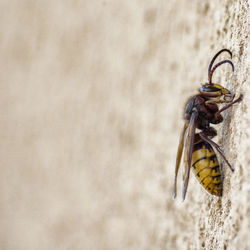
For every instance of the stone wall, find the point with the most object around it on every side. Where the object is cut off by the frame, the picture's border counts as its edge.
(92, 98)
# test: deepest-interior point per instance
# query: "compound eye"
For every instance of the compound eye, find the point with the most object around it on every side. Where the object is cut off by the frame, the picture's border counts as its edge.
(209, 88)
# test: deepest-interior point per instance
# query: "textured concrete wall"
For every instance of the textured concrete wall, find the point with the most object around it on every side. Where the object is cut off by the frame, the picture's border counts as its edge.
(92, 95)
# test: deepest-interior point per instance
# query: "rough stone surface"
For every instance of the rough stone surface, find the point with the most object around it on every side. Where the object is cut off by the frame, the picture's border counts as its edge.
(92, 95)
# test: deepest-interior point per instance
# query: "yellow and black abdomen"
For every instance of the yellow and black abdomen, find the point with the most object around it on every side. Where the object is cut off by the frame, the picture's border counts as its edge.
(206, 168)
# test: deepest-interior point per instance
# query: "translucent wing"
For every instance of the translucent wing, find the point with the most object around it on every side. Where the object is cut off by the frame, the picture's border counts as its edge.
(188, 149)
(178, 158)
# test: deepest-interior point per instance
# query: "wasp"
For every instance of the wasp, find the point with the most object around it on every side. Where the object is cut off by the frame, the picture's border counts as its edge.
(201, 111)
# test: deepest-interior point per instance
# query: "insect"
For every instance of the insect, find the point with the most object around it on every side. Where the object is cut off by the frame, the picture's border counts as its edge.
(199, 150)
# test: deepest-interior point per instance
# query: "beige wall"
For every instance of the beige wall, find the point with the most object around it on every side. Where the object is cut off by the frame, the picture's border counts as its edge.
(92, 95)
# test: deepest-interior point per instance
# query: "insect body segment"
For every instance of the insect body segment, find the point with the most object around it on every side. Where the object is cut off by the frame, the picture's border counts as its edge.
(206, 167)
(201, 111)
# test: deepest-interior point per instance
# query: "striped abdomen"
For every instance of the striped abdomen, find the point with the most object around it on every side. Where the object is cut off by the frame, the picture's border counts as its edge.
(206, 168)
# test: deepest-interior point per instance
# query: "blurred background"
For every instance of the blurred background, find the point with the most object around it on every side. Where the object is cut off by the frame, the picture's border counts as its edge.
(92, 98)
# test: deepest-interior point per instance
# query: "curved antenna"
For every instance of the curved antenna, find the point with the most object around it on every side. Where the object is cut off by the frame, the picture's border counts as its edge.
(214, 58)
(215, 67)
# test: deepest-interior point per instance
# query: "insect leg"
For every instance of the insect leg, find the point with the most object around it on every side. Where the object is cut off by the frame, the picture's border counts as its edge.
(239, 99)
(216, 146)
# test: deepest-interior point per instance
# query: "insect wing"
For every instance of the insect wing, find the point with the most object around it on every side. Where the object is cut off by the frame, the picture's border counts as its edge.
(178, 158)
(188, 149)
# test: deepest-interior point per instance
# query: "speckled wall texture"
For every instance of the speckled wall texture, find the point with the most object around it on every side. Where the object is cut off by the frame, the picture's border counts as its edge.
(92, 96)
